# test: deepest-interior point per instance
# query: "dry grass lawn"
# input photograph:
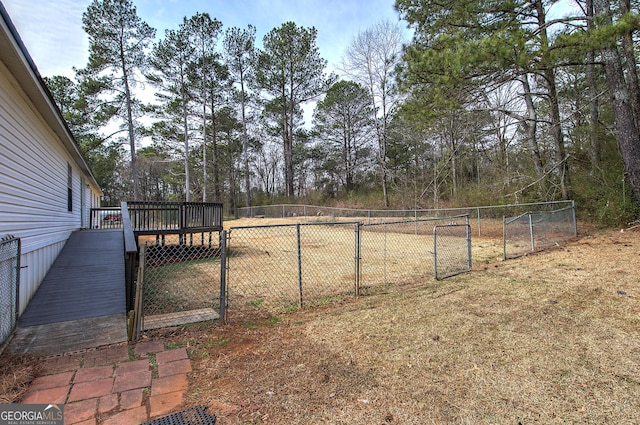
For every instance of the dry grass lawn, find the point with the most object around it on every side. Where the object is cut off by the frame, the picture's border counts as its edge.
(550, 338)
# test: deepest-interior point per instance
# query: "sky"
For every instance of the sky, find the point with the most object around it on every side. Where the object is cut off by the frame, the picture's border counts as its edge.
(52, 29)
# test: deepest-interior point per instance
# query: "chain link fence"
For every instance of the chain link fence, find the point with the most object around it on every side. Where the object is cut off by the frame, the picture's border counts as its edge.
(256, 271)
(534, 231)
(276, 268)
(486, 220)
(9, 285)
(180, 282)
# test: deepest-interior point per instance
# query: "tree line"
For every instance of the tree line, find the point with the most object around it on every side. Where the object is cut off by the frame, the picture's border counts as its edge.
(489, 102)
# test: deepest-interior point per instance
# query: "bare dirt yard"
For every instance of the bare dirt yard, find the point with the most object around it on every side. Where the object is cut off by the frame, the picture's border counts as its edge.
(548, 338)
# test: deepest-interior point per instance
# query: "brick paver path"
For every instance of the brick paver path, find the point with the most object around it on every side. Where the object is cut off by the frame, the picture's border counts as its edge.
(114, 385)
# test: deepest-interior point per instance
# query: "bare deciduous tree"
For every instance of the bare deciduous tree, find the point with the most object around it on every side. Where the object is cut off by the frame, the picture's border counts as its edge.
(370, 60)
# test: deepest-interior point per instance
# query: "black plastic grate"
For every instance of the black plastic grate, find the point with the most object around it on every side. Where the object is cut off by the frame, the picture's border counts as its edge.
(192, 416)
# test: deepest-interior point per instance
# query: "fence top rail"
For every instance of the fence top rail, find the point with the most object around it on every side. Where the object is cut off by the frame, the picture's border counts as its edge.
(8, 239)
(420, 220)
(452, 225)
(416, 210)
(344, 223)
(509, 220)
(556, 211)
(262, 226)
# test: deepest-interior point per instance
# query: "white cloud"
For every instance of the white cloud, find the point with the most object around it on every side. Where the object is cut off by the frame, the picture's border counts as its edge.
(52, 33)
(52, 29)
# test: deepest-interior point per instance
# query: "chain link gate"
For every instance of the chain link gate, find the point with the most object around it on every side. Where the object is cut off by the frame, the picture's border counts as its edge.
(9, 285)
(451, 249)
(180, 278)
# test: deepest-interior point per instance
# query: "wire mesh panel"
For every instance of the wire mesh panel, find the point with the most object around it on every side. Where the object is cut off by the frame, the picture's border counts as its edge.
(181, 273)
(395, 253)
(451, 249)
(517, 236)
(262, 272)
(9, 283)
(552, 227)
(276, 268)
(327, 260)
(534, 231)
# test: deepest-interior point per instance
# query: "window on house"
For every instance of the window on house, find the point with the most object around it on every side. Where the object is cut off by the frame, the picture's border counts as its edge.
(69, 188)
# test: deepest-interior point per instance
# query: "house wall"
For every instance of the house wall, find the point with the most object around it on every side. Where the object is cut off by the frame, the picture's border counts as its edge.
(34, 171)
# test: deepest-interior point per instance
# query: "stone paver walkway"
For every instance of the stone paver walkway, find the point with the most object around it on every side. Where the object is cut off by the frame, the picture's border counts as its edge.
(114, 385)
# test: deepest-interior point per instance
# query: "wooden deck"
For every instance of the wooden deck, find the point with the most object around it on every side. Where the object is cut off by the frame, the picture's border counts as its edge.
(81, 302)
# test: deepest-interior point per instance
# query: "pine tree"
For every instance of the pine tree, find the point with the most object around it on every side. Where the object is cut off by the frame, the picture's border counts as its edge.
(291, 71)
(240, 55)
(118, 42)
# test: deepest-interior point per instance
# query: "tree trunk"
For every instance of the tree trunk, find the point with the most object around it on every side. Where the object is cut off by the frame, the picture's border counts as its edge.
(187, 178)
(205, 177)
(554, 108)
(130, 125)
(289, 153)
(631, 66)
(245, 144)
(530, 126)
(214, 154)
(592, 81)
(625, 125)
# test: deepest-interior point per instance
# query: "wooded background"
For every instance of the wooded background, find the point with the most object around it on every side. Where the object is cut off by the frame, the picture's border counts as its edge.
(490, 102)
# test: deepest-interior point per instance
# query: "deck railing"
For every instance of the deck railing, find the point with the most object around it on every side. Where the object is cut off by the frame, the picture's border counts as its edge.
(162, 217)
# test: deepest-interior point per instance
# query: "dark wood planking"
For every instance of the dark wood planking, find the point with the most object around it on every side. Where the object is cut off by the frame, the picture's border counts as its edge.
(86, 280)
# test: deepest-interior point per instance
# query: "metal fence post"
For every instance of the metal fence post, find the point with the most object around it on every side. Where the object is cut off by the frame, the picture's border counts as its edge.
(435, 252)
(575, 222)
(299, 265)
(18, 267)
(504, 238)
(357, 271)
(469, 244)
(223, 276)
(531, 232)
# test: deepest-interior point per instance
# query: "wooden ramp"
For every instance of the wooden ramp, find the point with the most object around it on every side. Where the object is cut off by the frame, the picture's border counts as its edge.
(81, 301)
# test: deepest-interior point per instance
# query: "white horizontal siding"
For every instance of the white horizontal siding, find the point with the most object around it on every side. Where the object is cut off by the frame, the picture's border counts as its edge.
(33, 185)
(34, 267)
